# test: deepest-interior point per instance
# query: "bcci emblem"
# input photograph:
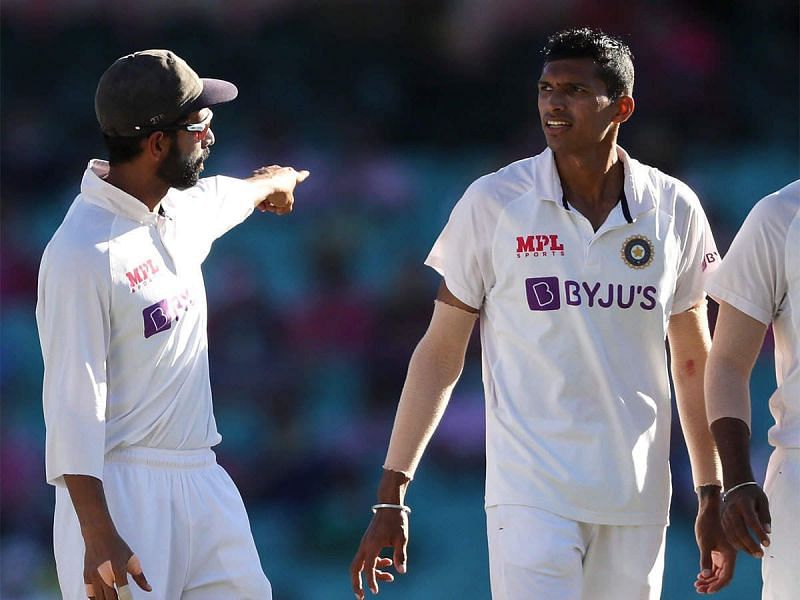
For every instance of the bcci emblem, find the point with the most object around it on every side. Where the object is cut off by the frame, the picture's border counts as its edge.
(637, 252)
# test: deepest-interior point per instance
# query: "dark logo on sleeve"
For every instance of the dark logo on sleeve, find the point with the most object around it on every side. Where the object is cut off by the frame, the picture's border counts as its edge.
(637, 252)
(709, 258)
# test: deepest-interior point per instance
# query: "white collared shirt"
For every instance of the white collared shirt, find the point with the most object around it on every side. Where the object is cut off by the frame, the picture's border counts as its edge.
(122, 321)
(573, 325)
(760, 276)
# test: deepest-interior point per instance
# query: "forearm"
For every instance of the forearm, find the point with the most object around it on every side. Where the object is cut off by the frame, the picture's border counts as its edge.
(433, 371)
(392, 487)
(692, 414)
(737, 340)
(729, 414)
(733, 441)
(727, 390)
(689, 341)
(89, 500)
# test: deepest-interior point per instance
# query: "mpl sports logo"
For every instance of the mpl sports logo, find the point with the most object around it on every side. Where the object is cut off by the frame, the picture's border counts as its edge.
(142, 274)
(545, 293)
(539, 245)
(159, 317)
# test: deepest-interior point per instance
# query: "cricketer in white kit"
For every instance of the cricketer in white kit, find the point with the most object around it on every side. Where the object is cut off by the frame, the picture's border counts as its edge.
(579, 263)
(758, 284)
(122, 322)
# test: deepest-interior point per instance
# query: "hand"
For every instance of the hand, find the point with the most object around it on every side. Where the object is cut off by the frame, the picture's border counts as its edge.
(388, 528)
(282, 181)
(107, 562)
(747, 508)
(717, 556)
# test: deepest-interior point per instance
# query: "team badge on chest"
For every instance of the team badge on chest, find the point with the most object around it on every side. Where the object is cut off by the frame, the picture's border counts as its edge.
(637, 252)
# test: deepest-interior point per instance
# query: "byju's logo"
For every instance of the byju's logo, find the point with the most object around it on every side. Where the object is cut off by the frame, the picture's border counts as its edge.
(709, 258)
(158, 317)
(543, 293)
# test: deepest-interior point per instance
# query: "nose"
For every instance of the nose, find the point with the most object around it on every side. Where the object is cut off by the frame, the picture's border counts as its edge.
(209, 139)
(555, 100)
(552, 100)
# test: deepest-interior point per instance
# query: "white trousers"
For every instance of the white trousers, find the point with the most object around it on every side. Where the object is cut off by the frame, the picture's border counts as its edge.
(182, 515)
(780, 566)
(537, 555)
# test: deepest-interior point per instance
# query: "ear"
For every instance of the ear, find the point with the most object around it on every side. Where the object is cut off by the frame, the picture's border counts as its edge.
(625, 108)
(156, 145)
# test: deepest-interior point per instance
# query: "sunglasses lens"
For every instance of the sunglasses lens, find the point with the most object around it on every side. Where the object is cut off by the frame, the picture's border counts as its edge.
(199, 136)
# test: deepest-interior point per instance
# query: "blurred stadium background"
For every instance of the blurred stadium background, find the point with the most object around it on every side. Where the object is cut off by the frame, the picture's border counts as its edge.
(395, 107)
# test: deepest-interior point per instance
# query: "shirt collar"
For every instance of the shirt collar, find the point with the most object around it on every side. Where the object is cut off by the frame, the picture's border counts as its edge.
(638, 192)
(96, 190)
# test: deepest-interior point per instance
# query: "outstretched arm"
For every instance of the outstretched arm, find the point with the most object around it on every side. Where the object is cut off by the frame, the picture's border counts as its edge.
(737, 341)
(433, 371)
(689, 342)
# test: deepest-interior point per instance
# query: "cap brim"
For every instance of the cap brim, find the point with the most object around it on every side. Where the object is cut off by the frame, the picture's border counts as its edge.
(215, 91)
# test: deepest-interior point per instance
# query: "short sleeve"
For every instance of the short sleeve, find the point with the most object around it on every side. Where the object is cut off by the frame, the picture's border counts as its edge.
(699, 258)
(72, 315)
(752, 278)
(462, 252)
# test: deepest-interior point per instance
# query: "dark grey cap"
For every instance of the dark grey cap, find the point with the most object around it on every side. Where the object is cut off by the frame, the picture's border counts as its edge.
(151, 88)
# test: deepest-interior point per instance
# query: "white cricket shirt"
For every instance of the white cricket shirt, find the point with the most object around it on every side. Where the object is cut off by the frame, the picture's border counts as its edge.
(760, 276)
(122, 321)
(573, 325)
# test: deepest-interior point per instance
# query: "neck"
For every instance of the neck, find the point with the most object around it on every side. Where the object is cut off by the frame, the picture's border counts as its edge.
(146, 188)
(593, 176)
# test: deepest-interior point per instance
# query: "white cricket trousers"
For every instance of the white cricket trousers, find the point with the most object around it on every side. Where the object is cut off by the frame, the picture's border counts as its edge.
(537, 555)
(181, 514)
(780, 566)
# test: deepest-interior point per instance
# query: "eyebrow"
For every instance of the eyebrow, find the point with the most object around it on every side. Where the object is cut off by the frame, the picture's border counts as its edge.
(578, 83)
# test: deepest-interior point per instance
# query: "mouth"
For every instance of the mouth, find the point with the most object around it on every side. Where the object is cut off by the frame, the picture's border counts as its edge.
(556, 124)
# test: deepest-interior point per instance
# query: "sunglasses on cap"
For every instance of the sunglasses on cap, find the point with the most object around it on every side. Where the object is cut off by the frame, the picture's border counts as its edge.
(199, 130)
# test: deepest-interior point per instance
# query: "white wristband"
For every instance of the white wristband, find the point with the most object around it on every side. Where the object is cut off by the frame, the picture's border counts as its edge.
(403, 507)
(736, 487)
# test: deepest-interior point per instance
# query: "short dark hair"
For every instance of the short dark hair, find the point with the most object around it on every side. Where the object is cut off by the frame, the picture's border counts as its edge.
(123, 149)
(612, 56)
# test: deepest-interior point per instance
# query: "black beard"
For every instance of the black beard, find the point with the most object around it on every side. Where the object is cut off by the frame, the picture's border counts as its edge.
(180, 171)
